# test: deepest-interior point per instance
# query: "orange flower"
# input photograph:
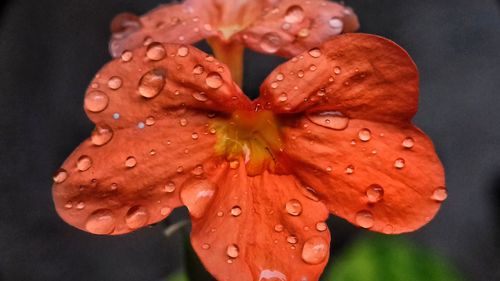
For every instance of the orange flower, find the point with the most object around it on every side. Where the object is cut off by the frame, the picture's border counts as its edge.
(284, 27)
(331, 132)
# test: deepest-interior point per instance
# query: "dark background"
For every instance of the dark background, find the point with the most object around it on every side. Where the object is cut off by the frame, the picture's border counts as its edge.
(49, 51)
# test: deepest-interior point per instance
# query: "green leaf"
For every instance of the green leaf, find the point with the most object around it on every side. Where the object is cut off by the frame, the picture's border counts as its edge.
(389, 258)
(179, 276)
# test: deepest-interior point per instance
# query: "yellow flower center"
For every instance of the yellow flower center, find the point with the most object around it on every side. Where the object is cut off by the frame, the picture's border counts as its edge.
(252, 137)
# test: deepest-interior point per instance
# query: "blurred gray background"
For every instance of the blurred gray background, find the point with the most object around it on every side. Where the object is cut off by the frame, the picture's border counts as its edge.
(49, 51)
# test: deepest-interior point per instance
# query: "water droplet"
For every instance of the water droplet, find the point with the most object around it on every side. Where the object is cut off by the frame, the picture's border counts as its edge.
(399, 163)
(198, 170)
(200, 96)
(321, 226)
(155, 51)
(374, 193)
(274, 275)
(113, 186)
(349, 170)
(96, 101)
(205, 246)
(130, 162)
(283, 97)
(270, 42)
(234, 164)
(150, 121)
(408, 142)
(294, 14)
(165, 211)
(180, 169)
(141, 125)
(116, 115)
(84, 163)
(183, 122)
(293, 207)
(315, 53)
(364, 134)
(280, 77)
(195, 136)
(101, 222)
(183, 51)
(440, 194)
(127, 56)
(60, 176)
(169, 187)
(315, 250)
(214, 80)
(232, 251)
(80, 205)
(152, 83)
(329, 169)
(236, 211)
(137, 217)
(329, 119)
(68, 205)
(101, 135)
(197, 195)
(292, 239)
(336, 24)
(364, 219)
(115, 83)
(198, 69)
(337, 70)
(304, 32)
(278, 228)
(274, 85)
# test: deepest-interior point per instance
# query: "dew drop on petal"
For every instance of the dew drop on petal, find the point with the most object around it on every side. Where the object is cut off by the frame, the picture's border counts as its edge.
(183, 122)
(198, 69)
(152, 83)
(80, 205)
(349, 169)
(234, 164)
(408, 142)
(101, 221)
(293, 207)
(336, 24)
(96, 101)
(292, 239)
(115, 83)
(283, 97)
(270, 42)
(321, 226)
(315, 53)
(399, 163)
(137, 217)
(329, 119)
(294, 14)
(337, 70)
(205, 246)
(165, 211)
(169, 187)
(374, 193)
(364, 134)
(214, 80)
(101, 135)
(68, 205)
(130, 162)
(127, 56)
(278, 228)
(60, 176)
(183, 51)
(232, 251)
(236, 211)
(155, 51)
(200, 96)
(150, 121)
(364, 219)
(83, 163)
(440, 194)
(315, 250)
(195, 136)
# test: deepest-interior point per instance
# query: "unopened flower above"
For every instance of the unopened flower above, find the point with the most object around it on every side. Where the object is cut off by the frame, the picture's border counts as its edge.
(330, 133)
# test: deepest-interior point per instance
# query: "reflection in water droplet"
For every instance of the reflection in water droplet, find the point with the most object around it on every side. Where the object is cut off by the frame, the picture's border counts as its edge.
(198, 69)
(183, 122)
(165, 211)
(80, 205)
(374, 193)
(152, 83)
(408, 142)
(283, 97)
(130, 162)
(364, 134)
(292, 239)
(294, 14)
(214, 80)
(315, 53)
(115, 83)
(236, 211)
(101, 135)
(183, 51)
(315, 250)
(336, 24)
(127, 56)
(337, 70)
(200, 96)
(329, 119)
(440, 194)
(84, 163)
(169, 187)
(364, 219)
(273, 275)
(278, 228)
(399, 163)
(60, 176)
(101, 222)
(321, 226)
(349, 170)
(293, 207)
(155, 51)
(270, 42)
(150, 121)
(137, 217)
(205, 246)
(96, 101)
(232, 251)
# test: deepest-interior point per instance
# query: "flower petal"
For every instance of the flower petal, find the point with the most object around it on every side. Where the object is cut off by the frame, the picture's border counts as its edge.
(177, 23)
(359, 75)
(294, 26)
(151, 109)
(260, 228)
(381, 176)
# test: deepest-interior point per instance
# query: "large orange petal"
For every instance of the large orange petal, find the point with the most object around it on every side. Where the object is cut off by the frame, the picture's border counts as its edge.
(380, 176)
(177, 23)
(152, 134)
(293, 26)
(258, 228)
(359, 75)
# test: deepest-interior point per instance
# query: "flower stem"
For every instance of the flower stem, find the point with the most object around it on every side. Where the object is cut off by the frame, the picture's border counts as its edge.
(231, 54)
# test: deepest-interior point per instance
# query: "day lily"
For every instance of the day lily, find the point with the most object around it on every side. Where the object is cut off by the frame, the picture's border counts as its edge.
(283, 27)
(330, 133)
